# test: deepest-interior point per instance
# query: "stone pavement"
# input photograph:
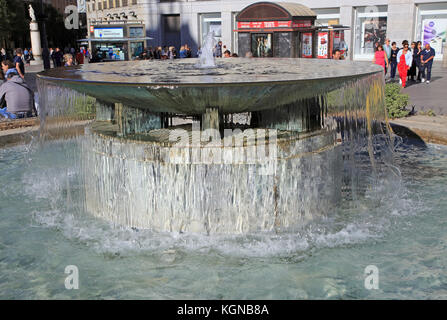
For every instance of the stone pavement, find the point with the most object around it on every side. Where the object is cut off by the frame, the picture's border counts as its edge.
(429, 129)
(431, 96)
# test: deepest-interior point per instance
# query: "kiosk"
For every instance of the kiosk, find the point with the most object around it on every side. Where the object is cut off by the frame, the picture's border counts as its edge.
(280, 29)
(286, 30)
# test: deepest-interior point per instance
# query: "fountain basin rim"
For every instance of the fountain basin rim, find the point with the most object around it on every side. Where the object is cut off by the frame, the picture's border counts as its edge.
(199, 84)
(232, 72)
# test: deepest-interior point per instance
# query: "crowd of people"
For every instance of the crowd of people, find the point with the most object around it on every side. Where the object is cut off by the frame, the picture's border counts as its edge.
(410, 61)
(170, 52)
(16, 97)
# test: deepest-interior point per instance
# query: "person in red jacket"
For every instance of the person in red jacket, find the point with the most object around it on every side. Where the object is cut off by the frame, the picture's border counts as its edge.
(79, 57)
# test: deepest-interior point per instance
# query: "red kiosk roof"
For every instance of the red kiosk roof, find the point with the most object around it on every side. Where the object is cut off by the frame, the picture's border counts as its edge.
(279, 15)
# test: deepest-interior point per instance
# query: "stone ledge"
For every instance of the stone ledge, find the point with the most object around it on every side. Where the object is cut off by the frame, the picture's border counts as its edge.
(429, 129)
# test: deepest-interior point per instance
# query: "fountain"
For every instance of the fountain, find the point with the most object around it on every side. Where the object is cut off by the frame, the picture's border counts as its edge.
(206, 57)
(252, 145)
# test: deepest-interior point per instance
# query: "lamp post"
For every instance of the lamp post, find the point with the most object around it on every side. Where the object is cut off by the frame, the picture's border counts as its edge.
(45, 52)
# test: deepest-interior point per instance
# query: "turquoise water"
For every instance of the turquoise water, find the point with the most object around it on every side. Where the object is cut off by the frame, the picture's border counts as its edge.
(401, 229)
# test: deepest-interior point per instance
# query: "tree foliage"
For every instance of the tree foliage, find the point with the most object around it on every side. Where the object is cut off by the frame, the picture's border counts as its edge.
(14, 24)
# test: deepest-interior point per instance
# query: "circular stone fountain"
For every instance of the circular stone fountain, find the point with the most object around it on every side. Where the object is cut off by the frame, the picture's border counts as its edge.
(251, 145)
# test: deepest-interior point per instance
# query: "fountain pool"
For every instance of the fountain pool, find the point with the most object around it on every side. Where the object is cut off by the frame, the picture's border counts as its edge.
(143, 217)
(43, 228)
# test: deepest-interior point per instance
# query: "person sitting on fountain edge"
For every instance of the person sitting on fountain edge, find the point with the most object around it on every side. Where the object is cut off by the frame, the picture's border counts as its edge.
(16, 98)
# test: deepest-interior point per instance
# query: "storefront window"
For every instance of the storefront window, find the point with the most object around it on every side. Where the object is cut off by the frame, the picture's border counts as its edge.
(370, 29)
(261, 45)
(110, 51)
(210, 22)
(431, 26)
(136, 48)
(136, 32)
(327, 16)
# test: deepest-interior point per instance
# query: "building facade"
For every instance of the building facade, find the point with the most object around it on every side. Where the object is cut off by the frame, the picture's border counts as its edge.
(169, 22)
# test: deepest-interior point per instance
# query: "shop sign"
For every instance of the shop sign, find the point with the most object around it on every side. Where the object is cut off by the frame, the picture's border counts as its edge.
(263, 24)
(307, 45)
(302, 24)
(323, 45)
(108, 33)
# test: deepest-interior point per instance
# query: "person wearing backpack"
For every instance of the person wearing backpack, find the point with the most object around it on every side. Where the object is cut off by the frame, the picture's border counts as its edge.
(17, 96)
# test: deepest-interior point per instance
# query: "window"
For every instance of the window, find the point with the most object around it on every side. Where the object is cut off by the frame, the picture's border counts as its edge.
(136, 32)
(327, 17)
(134, 2)
(99, 5)
(370, 29)
(124, 3)
(104, 4)
(210, 22)
(110, 4)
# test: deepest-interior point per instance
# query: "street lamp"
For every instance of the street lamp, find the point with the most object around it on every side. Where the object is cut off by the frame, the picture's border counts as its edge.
(45, 52)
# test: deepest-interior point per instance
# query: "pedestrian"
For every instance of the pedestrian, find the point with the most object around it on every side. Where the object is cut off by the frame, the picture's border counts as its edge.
(57, 57)
(164, 53)
(412, 71)
(183, 53)
(26, 55)
(393, 60)
(417, 60)
(188, 51)
(157, 53)
(427, 57)
(218, 50)
(68, 59)
(336, 55)
(227, 54)
(171, 53)
(405, 60)
(18, 63)
(5, 66)
(79, 57)
(3, 55)
(17, 96)
(387, 49)
(381, 58)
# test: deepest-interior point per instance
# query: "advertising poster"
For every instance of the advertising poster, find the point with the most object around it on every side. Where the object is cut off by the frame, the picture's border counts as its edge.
(323, 45)
(373, 31)
(108, 32)
(434, 33)
(261, 45)
(307, 45)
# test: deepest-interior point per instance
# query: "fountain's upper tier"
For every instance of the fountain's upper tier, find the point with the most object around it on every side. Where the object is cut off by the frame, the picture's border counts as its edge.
(235, 85)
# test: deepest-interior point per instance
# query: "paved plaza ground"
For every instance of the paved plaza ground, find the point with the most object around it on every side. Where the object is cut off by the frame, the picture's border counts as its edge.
(431, 96)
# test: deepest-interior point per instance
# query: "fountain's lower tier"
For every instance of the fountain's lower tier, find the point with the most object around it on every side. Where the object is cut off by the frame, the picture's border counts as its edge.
(250, 181)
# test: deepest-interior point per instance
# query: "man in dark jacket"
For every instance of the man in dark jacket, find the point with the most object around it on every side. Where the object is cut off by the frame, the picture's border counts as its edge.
(18, 96)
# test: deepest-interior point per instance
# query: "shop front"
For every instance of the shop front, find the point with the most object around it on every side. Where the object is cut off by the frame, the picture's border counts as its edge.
(267, 29)
(118, 41)
(370, 28)
(431, 26)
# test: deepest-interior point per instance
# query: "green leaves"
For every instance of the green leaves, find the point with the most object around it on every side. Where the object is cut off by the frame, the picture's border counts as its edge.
(396, 101)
